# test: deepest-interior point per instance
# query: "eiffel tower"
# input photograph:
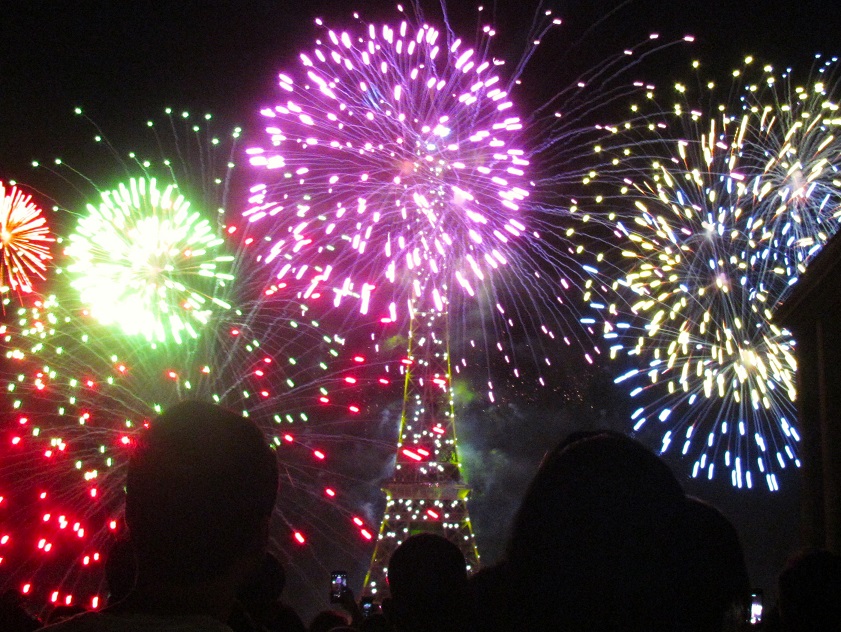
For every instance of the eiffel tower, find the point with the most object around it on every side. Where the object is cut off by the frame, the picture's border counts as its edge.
(426, 492)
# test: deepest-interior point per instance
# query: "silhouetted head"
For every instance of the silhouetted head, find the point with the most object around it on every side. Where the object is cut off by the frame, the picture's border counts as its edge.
(427, 579)
(594, 544)
(201, 488)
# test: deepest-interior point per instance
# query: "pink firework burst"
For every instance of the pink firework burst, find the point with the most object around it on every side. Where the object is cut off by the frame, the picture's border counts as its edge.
(398, 155)
(398, 173)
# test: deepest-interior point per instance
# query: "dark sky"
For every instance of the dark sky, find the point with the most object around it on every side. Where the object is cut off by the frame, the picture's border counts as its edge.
(124, 60)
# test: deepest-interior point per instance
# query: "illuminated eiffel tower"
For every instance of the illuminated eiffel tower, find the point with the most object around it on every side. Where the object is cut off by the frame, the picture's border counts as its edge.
(426, 492)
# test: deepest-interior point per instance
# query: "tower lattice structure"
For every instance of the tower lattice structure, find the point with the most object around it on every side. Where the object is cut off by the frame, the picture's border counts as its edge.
(426, 493)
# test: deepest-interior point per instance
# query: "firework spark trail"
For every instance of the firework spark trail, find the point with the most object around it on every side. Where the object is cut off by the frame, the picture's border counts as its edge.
(329, 226)
(399, 173)
(797, 195)
(440, 160)
(82, 394)
(77, 389)
(397, 178)
(24, 240)
(724, 223)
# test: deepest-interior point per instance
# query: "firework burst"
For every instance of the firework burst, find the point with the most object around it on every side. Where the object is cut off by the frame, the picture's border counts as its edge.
(399, 178)
(409, 142)
(399, 174)
(726, 217)
(724, 371)
(78, 386)
(24, 240)
(137, 257)
(797, 194)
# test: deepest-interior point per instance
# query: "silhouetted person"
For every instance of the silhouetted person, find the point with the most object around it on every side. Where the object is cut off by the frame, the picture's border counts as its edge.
(594, 544)
(200, 491)
(714, 582)
(427, 579)
(810, 593)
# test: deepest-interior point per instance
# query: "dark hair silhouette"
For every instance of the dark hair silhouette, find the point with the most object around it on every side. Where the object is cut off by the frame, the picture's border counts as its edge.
(201, 487)
(427, 579)
(594, 542)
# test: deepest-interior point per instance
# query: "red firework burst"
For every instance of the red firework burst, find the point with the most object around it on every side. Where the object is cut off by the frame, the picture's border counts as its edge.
(24, 240)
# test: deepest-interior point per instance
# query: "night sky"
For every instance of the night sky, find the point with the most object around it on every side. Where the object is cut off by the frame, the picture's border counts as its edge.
(124, 61)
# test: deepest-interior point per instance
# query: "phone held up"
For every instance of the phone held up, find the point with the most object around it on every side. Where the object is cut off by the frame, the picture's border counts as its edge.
(367, 606)
(338, 584)
(755, 612)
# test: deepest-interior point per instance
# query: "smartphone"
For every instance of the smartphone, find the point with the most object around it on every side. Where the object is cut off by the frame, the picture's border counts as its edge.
(367, 606)
(755, 613)
(338, 584)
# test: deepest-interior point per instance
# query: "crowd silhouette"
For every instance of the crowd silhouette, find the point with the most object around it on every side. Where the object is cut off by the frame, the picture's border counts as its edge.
(605, 540)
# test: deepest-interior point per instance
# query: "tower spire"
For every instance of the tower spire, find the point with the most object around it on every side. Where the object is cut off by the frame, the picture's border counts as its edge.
(427, 491)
